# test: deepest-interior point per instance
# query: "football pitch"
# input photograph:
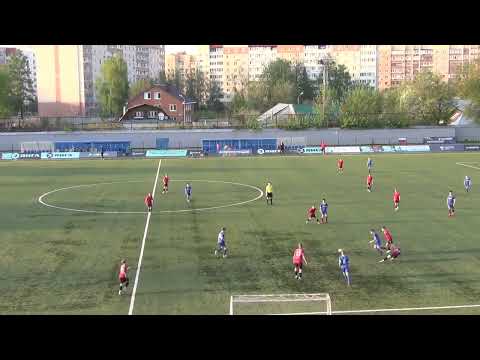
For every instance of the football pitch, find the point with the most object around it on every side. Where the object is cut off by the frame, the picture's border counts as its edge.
(61, 255)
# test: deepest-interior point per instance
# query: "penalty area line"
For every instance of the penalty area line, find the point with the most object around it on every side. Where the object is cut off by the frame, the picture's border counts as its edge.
(339, 312)
(137, 275)
(466, 165)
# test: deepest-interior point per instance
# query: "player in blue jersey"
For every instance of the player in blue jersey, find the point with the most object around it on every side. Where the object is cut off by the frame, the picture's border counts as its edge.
(451, 203)
(377, 242)
(221, 246)
(467, 183)
(369, 164)
(188, 192)
(344, 264)
(324, 211)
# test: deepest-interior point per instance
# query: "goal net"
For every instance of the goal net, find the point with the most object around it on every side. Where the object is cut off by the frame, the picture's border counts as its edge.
(281, 304)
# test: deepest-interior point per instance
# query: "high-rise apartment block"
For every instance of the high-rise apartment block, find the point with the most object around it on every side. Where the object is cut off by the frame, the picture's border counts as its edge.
(181, 64)
(259, 56)
(398, 63)
(67, 73)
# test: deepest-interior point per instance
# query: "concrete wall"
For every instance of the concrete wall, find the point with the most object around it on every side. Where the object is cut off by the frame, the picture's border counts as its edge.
(193, 138)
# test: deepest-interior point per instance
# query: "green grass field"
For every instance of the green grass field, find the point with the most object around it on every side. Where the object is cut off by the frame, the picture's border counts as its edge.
(56, 261)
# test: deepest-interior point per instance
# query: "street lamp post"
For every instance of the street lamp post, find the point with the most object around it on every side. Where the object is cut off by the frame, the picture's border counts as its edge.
(298, 98)
(183, 108)
(325, 81)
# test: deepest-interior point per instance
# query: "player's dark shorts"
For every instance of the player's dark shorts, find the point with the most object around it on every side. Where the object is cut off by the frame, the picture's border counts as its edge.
(345, 269)
(312, 216)
(221, 245)
(298, 265)
(451, 207)
(123, 279)
(324, 213)
(269, 195)
(395, 254)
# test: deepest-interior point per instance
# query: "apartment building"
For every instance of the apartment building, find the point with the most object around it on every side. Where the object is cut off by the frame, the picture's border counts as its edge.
(67, 73)
(235, 69)
(313, 56)
(259, 56)
(180, 63)
(292, 53)
(143, 61)
(216, 65)
(398, 63)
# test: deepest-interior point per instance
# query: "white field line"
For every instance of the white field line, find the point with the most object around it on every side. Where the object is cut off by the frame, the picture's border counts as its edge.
(470, 166)
(137, 275)
(385, 310)
(40, 199)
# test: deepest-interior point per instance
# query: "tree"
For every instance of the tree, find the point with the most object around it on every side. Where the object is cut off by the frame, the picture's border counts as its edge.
(468, 85)
(428, 99)
(395, 112)
(5, 104)
(112, 86)
(305, 85)
(140, 86)
(21, 92)
(282, 92)
(339, 81)
(214, 96)
(362, 108)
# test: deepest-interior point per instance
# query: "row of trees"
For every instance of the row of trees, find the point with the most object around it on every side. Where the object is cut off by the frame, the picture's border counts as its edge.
(426, 100)
(17, 94)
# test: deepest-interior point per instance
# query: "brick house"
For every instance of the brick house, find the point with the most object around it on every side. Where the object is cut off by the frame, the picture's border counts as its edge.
(160, 102)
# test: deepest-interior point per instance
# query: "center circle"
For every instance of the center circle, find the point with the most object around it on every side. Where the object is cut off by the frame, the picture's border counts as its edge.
(43, 196)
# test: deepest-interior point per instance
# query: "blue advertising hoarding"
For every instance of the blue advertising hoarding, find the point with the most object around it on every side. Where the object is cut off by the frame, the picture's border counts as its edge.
(60, 155)
(447, 147)
(18, 156)
(166, 153)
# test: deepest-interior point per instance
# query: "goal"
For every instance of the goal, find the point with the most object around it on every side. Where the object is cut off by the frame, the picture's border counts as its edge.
(281, 304)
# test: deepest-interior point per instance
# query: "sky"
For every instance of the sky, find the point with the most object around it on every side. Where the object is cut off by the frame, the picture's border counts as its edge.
(178, 48)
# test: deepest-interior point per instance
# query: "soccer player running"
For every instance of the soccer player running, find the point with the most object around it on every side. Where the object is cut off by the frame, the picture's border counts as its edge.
(396, 200)
(392, 254)
(369, 182)
(340, 166)
(298, 260)
(377, 243)
(369, 164)
(221, 245)
(122, 276)
(269, 192)
(149, 202)
(388, 237)
(166, 179)
(344, 265)
(324, 211)
(451, 203)
(467, 183)
(188, 192)
(311, 214)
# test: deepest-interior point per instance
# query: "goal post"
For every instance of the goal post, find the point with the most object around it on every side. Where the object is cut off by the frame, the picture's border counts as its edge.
(281, 304)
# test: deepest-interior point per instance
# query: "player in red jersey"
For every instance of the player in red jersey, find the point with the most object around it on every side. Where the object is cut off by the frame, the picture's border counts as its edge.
(122, 276)
(323, 147)
(396, 200)
(392, 254)
(340, 165)
(388, 237)
(149, 201)
(165, 184)
(298, 260)
(369, 182)
(311, 215)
